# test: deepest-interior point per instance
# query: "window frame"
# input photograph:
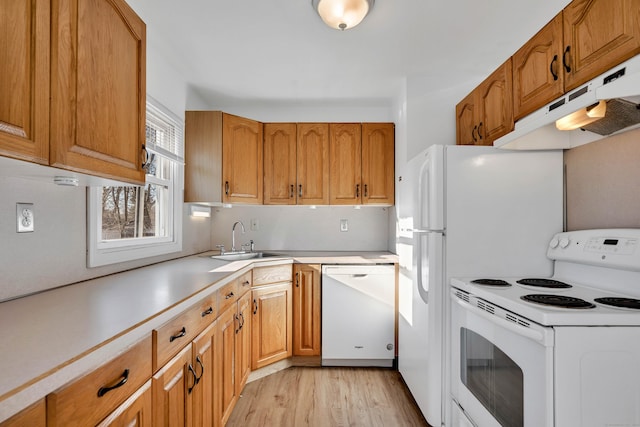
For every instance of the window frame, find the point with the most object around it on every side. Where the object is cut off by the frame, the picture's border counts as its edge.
(101, 252)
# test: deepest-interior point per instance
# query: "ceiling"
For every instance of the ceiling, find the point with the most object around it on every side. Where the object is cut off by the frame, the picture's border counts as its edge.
(281, 51)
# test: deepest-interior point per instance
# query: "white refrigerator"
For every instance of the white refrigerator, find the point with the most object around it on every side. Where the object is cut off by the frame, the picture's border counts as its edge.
(480, 212)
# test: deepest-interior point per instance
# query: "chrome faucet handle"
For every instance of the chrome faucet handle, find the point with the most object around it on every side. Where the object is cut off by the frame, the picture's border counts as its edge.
(252, 246)
(245, 246)
(221, 247)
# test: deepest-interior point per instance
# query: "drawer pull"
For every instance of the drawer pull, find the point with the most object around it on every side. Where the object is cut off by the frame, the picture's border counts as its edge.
(207, 312)
(229, 295)
(104, 390)
(180, 334)
(246, 283)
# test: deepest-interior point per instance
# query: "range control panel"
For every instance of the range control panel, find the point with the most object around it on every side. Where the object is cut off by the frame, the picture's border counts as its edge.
(614, 248)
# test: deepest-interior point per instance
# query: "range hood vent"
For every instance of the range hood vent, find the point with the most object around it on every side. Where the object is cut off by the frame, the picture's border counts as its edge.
(621, 114)
(619, 87)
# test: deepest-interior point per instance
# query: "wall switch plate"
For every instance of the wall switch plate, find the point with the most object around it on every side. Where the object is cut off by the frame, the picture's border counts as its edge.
(344, 225)
(24, 217)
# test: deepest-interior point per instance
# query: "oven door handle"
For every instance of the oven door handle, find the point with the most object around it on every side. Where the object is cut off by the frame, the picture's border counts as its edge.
(537, 336)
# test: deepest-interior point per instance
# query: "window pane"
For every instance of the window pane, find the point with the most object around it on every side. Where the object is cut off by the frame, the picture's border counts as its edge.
(156, 211)
(119, 212)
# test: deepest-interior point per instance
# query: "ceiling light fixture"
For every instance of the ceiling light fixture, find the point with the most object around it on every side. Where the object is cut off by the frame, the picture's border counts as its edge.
(582, 117)
(342, 14)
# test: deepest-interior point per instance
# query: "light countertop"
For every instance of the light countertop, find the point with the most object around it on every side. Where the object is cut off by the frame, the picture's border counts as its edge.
(49, 339)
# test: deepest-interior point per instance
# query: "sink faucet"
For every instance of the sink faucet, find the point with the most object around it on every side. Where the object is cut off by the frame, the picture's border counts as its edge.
(233, 234)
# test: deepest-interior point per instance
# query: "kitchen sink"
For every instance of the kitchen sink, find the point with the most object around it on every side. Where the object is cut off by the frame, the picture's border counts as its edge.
(237, 256)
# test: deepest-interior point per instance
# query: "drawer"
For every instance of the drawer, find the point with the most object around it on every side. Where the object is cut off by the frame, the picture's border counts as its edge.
(171, 337)
(244, 283)
(272, 274)
(91, 398)
(227, 295)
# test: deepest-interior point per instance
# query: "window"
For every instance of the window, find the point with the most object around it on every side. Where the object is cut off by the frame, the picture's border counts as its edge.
(133, 222)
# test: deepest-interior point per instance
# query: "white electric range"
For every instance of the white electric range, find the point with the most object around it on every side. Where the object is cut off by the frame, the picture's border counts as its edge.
(517, 361)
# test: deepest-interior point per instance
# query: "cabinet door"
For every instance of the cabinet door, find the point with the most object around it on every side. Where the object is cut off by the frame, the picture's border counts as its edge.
(226, 349)
(345, 164)
(241, 160)
(172, 403)
(98, 92)
(136, 411)
(598, 35)
(24, 80)
(306, 310)
(378, 163)
(538, 76)
(206, 365)
(271, 324)
(280, 163)
(202, 156)
(313, 164)
(243, 342)
(496, 105)
(466, 126)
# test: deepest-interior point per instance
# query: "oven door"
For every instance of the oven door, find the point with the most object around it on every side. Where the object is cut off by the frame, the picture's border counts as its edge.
(502, 370)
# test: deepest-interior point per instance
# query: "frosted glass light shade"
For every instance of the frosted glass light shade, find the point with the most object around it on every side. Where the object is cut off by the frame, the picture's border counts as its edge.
(342, 14)
(582, 117)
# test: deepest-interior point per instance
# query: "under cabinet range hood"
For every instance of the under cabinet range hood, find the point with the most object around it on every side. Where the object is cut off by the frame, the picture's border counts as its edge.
(616, 91)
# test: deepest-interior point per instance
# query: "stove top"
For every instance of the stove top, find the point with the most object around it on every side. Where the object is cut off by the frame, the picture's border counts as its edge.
(575, 305)
(596, 282)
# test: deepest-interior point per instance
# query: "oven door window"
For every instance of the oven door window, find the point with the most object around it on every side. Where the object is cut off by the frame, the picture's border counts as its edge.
(492, 377)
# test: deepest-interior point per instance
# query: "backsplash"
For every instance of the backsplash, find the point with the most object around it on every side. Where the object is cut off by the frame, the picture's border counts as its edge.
(303, 228)
(602, 181)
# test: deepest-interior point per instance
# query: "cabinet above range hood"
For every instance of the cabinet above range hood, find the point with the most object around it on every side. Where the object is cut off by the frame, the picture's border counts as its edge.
(618, 88)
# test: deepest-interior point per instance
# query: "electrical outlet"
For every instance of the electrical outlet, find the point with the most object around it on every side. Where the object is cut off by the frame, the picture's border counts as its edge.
(255, 224)
(24, 217)
(344, 225)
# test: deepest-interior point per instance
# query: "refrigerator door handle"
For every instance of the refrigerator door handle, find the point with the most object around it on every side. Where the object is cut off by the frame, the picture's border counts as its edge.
(434, 265)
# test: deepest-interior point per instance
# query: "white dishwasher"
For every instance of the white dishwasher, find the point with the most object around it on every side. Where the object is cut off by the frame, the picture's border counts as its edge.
(358, 315)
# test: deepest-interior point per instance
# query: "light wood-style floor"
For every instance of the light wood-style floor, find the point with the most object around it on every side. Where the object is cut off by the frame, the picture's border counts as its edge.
(308, 396)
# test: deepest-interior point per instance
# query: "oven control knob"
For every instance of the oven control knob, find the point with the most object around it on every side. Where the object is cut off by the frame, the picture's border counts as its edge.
(564, 242)
(554, 243)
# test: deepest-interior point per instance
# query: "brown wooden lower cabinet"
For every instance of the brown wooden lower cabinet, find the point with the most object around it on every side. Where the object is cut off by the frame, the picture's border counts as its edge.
(306, 310)
(136, 411)
(234, 350)
(33, 416)
(206, 364)
(271, 324)
(172, 400)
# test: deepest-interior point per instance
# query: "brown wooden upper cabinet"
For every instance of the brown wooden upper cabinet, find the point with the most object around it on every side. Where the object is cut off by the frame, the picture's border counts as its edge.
(24, 80)
(361, 163)
(345, 163)
(296, 163)
(223, 158)
(98, 90)
(72, 78)
(378, 164)
(487, 112)
(280, 157)
(586, 39)
(241, 160)
(313, 163)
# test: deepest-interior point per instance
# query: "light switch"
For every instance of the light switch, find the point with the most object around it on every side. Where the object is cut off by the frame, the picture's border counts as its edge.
(344, 225)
